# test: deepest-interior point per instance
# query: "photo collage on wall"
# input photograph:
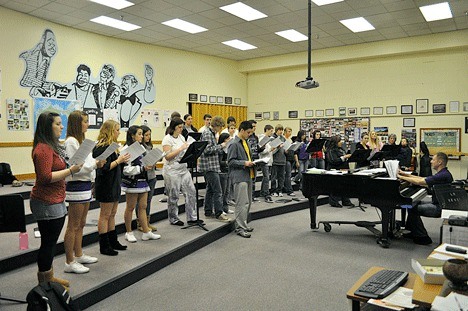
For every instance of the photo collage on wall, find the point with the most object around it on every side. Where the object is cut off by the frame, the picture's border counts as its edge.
(17, 114)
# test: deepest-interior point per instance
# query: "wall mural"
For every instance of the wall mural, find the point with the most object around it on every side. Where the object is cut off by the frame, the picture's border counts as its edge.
(107, 96)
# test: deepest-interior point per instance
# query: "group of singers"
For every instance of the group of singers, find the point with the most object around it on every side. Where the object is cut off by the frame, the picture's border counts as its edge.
(227, 163)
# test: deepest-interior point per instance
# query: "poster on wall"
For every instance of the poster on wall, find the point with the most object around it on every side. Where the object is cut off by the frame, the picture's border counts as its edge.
(151, 118)
(382, 133)
(60, 106)
(410, 135)
(17, 111)
(349, 129)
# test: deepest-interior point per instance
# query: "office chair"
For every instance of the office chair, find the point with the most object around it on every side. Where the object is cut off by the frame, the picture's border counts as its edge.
(12, 219)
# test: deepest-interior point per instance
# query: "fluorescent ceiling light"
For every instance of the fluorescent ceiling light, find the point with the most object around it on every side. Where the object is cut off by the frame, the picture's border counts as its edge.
(325, 2)
(116, 4)
(243, 11)
(357, 24)
(292, 35)
(184, 26)
(115, 23)
(241, 45)
(435, 12)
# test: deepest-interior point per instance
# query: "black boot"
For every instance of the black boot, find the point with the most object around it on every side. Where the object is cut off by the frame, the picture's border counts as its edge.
(104, 246)
(114, 243)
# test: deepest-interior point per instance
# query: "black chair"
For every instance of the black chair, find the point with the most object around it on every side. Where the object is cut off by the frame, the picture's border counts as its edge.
(12, 219)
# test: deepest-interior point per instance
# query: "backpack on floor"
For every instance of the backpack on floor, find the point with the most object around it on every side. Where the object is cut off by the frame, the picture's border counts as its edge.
(50, 296)
(6, 175)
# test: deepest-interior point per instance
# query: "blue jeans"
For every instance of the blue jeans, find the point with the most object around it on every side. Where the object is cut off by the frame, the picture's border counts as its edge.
(287, 177)
(223, 179)
(265, 189)
(277, 178)
(318, 163)
(213, 196)
(414, 222)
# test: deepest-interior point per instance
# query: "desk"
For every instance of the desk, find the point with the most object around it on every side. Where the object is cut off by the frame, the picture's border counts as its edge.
(423, 294)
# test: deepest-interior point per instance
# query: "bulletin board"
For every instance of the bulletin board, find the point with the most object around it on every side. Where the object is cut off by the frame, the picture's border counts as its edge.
(349, 129)
(447, 140)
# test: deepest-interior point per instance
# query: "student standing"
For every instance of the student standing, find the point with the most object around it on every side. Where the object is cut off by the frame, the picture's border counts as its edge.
(316, 157)
(224, 172)
(135, 185)
(289, 163)
(107, 188)
(48, 194)
(241, 172)
(266, 169)
(78, 195)
(278, 169)
(301, 156)
(188, 127)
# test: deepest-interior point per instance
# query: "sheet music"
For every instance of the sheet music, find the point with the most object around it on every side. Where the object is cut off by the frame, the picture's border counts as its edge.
(294, 146)
(190, 140)
(265, 141)
(112, 148)
(287, 144)
(82, 153)
(392, 168)
(135, 150)
(153, 156)
(276, 142)
(262, 160)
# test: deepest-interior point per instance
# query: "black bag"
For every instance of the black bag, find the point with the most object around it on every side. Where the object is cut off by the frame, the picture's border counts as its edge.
(6, 176)
(50, 296)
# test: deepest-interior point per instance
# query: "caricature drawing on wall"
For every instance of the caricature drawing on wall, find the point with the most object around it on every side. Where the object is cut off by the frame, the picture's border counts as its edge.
(134, 97)
(81, 88)
(105, 92)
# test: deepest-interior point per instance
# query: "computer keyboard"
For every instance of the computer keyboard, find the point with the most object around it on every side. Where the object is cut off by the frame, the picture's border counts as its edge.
(382, 284)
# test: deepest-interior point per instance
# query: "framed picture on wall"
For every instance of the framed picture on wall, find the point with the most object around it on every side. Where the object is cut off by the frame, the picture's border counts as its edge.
(228, 100)
(293, 114)
(266, 115)
(219, 99)
(329, 112)
(212, 99)
(352, 111)
(365, 111)
(406, 109)
(438, 108)
(454, 106)
(203, 98)
(409, 122)
(192, 97)
(391, 110)
(342, 111)
(275, 115)
(237, 101)
(309, 113)
(465, 106)
(378, 111)
(319, 113)
(422, 105)
(258, 115)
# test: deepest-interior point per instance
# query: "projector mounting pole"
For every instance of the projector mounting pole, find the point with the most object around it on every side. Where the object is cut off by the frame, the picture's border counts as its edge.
(309, 47)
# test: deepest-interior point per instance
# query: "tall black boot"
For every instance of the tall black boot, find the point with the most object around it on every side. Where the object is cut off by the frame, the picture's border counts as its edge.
(114, 243)
(104, 246)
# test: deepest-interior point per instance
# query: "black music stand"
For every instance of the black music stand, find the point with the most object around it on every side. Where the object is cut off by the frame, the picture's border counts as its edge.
(359, 155)
(315, 145)
(391, 151)
(12, 219)
(195, 135)
(190, 157)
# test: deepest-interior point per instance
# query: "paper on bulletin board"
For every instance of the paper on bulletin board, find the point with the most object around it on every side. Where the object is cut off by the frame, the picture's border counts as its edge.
(18, 118)
(151, 118)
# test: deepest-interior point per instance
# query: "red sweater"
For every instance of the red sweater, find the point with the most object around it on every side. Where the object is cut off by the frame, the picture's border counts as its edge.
(46, 161)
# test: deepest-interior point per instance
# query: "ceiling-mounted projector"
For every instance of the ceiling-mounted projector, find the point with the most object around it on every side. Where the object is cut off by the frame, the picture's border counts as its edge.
(308, 83)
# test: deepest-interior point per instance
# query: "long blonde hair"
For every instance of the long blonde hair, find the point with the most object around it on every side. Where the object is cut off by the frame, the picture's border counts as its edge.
(374, 144)
(106, 133)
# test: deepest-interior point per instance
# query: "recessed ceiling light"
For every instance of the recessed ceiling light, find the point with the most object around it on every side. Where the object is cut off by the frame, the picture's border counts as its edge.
(184, 26)
(115, 23)
(241, 45)
(292, 35)
(358, 24)
(435, 12)
(243, 11)
(325, 2)
(116, 4)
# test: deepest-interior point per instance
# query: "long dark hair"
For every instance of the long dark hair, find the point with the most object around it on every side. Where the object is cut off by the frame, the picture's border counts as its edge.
(299, 136)
(315, 132)
(334, 140)
(44, 133)
(175, 122)
(146, 129)
(423, 148)
(132, 130)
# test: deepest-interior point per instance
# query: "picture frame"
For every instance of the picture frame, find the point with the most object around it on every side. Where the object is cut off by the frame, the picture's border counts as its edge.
(219, 99)
(237, 101)
(203, 98)
(447, 140)
(212, 99)
(352, 111)
(378, 111)
(258, 115)
(228, 100)
(266, 115)
(319, 113)
(365, 111)
(439, 108)
(192, 97)
(454, 106)
(275, 115)
(342, 111)
(406, 109)
(409, 122)
(329, 112)
(422, 106)
(391, 109)
(465, 106)
(293, 114)
(309, 113)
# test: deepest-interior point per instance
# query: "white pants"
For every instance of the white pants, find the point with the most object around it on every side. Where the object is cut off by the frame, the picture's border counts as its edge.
(174, 184)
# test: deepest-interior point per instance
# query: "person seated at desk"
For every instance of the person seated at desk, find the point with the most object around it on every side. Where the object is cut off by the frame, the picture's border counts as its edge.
(362, 145)
(337, 159)
(391, 140)
(405, 154)
(374, 142)
(426, 207)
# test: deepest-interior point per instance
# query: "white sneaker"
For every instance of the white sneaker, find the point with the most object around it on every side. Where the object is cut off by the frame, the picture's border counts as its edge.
(150, 236)
(84, 259)
(129, 236)
(274, 194)
(230, 211)
(75, 267)
(280, 194)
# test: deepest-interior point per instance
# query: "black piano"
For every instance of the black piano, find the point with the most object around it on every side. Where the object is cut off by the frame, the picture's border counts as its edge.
(385, 194)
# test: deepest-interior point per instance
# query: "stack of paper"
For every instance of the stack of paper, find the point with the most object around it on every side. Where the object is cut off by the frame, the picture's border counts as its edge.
(155, 155)
(112, 148)
(392, 168)
(315, 171)
(453, 302)
(135, 150)
(82, 153)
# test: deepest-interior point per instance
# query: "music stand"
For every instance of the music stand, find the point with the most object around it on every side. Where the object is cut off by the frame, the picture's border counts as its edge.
(195, 135)
(12, 219)
(359, 155)
(190, 157)
(315, 145)
(391, 151)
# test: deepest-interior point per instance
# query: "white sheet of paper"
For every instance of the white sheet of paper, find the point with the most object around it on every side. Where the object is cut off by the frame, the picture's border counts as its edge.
(152, 157)
(190, 140)
(264, 141)
(262, 160)
(108, 151)
(401, 297)
(294, 146)
(276, 142)
(82, 153)
(287, 144)
(135, 150)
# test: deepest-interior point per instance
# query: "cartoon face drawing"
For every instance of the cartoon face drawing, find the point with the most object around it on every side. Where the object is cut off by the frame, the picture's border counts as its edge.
(128, 85)
(49, 47)
(82, 79)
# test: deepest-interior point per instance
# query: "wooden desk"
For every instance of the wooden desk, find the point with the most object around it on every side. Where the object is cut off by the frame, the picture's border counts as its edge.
(423, 294)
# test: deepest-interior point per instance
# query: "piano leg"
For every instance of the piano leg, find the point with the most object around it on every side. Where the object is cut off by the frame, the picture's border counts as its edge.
(383, 240)
(313, 212)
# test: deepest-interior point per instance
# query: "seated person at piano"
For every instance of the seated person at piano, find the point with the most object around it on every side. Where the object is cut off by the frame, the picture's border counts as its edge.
(337, 159)
(428, 208)
(362, 145)
(405, 155)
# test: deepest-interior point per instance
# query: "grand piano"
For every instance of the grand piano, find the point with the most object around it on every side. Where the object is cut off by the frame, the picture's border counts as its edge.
(386, 194)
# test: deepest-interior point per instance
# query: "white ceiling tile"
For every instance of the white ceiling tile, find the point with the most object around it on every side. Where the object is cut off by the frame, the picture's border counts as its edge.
(58, 8)
(20, 7)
